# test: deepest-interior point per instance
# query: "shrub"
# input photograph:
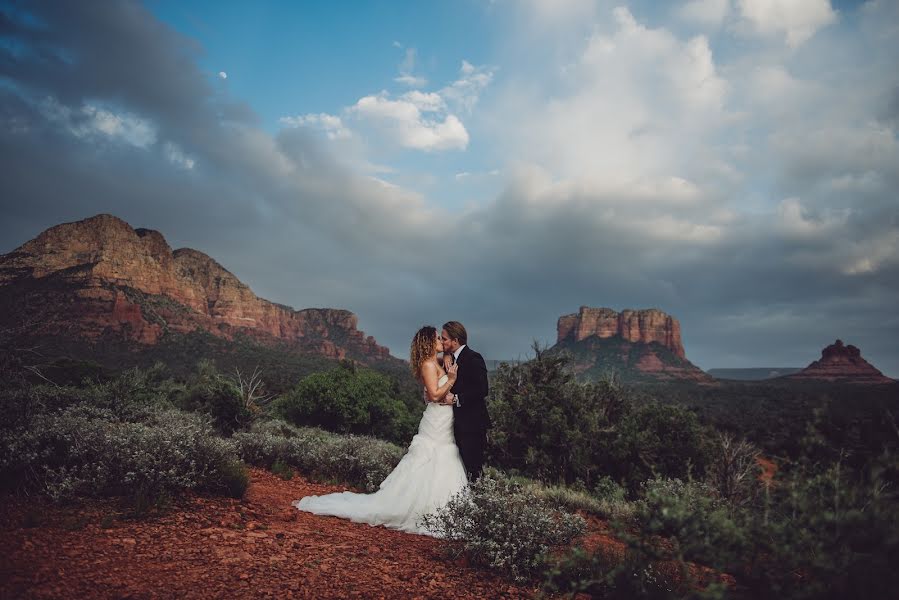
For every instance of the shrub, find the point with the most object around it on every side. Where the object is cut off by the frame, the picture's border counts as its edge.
(698, 525)
(349, 399)
(359, 461)
(500, 525)
(817, 534)
(657, 439)
(83, 450)
(608, 500)
(221, 398)
(282, 470)
(827, 533)
(547, 425)
(608, 575)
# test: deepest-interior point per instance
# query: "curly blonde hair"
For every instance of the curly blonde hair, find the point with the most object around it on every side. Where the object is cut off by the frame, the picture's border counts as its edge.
(424, 346)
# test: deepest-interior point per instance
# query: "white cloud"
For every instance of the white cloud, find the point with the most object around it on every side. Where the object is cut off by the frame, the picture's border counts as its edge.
(403, 121)
(480, 175)
(94, 121)
(631, 113)
(332, 125)
(797, 19)
(177, 156)
(465, 91)
(705, 12)
(412, 81)
(407, 67)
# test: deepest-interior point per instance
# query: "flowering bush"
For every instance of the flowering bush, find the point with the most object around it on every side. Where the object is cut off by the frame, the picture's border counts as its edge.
(499, 524)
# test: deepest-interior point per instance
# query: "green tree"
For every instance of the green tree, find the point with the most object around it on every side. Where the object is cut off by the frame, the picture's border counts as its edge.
(657, 439)
(210, 392)
(548, 425)
(349, 399)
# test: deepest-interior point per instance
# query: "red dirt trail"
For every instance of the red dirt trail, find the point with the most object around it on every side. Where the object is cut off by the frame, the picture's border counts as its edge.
(258, 547)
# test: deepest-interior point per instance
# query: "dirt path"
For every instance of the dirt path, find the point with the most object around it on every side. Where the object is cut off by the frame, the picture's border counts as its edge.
(259, 547)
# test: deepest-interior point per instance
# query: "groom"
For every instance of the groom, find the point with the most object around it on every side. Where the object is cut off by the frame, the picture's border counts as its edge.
(470, 418)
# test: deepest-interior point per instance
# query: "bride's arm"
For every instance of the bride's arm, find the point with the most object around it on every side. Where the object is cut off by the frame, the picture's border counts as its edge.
(430, 376)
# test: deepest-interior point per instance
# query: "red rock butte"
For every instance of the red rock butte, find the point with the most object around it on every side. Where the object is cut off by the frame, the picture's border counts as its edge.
(130, 282)
(840, 362)
(638, 326)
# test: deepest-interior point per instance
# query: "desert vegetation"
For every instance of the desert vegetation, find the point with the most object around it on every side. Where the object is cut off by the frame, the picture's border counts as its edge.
(681, 488)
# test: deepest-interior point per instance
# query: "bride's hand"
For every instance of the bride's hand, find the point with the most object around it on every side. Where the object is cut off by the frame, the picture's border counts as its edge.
(451, 372)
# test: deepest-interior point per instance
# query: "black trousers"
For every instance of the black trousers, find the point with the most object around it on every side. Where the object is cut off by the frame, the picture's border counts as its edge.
(472, 445)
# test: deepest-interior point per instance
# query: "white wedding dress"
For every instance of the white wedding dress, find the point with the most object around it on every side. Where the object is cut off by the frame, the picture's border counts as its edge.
(428, 475)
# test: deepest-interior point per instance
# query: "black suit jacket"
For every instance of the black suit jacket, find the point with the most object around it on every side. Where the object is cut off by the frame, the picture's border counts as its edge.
(471, 387)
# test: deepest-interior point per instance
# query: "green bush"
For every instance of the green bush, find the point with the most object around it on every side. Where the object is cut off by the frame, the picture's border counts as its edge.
(547, 425)
(502, 526)
(608, 500)
(607, 575)
(359, 461)
(699, 526)
(282, 470)
(349, 399)
(659, 440)
(83, 450)
(211, 393)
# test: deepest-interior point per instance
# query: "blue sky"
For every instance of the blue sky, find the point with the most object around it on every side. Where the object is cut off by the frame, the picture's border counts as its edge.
(732, 162)
(298, 58)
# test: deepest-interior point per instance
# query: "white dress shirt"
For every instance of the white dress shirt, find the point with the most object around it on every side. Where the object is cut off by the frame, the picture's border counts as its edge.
(455, 359)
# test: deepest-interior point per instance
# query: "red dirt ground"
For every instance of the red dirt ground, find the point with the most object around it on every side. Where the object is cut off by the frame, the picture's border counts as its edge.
(260, 547)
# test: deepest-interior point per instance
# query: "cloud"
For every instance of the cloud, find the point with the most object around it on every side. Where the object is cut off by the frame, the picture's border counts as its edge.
(797, 19)
(599, 126)
(332, 125)
(749, 191)
(464, 92)
(91, 120)
(403, 120)
(177, 156)
(411, 80)
(705, 12)
(406, 67)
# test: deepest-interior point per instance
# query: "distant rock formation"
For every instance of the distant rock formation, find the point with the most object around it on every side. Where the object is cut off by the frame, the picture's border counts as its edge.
(637, 344)
(638, 326)
(841, 363)
(100, 277)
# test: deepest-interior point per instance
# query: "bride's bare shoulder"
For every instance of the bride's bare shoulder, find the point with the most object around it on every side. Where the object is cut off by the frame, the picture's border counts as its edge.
(429, 366)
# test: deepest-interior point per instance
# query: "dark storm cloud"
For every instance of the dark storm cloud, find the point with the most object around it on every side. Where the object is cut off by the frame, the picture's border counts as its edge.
(281, 213)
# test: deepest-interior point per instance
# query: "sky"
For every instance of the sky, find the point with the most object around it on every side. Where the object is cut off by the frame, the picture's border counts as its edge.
(502, 163)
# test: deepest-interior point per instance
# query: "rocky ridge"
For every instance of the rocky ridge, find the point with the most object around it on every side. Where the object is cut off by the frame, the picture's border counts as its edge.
(100, 276)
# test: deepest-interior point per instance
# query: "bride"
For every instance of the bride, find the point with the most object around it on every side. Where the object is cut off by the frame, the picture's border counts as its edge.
(430, 472)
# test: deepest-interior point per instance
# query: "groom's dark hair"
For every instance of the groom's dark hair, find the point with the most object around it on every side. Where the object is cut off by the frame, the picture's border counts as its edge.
(456, 331)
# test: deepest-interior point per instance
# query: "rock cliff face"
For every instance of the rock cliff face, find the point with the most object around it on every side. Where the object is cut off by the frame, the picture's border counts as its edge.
(100, 277)
(638, 326)
(841, 363)
(637, 344)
